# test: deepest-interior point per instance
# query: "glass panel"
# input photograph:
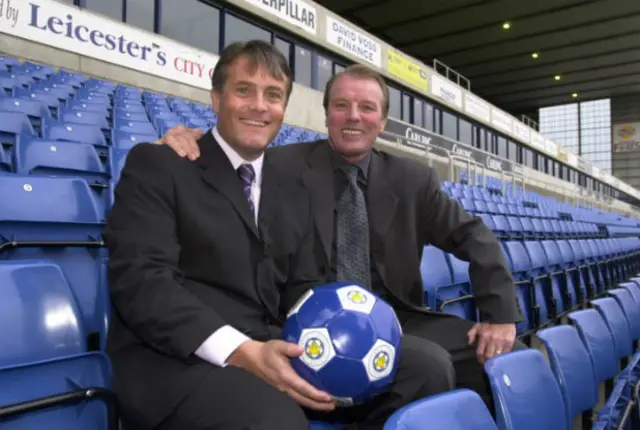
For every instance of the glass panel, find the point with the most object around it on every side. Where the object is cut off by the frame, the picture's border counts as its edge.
(284, 47)
(395, 104)
(302, 66)
(406, 108)
(428, 116)
(323, 72)
(418, 116)
(112, 8)
(449, 125)
(141, 13)
(191, 22)
(239, 30)
(502, 147)
(465, 132)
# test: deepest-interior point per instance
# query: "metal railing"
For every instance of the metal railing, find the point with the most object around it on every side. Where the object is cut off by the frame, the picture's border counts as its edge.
(450, 74)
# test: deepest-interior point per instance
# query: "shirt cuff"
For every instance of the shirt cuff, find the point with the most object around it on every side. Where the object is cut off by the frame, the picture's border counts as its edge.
(220, 345)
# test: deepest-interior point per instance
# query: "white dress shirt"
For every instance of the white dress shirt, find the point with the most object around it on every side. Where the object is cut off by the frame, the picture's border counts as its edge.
(224, 341)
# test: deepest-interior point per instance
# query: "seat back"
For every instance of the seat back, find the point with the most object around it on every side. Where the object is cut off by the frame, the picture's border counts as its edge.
(630, 308)
(456, 410)
(39, 317)
(597, 339)
(572, 367)
(526, 394)
(618, 325)
(56, 219)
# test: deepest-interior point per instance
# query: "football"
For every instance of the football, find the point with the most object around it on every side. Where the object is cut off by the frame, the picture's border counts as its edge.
(351, 341)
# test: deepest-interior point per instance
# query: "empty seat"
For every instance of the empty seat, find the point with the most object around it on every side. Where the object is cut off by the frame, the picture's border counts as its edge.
(456, 410)
(59, 158)
(57, 219)
(572, 367)
(48, 381)
(617, 323)
(526, 393)
(39, 318)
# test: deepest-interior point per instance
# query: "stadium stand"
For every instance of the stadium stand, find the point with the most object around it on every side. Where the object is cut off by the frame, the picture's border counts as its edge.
(61, 161)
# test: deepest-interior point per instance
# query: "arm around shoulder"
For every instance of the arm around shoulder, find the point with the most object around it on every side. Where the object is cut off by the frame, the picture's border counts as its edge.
(142, 239)
(449, 227)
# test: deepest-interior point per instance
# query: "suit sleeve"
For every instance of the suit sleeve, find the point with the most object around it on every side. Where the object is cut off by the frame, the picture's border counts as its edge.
(142, 239)
(449, 227)
(304, 273)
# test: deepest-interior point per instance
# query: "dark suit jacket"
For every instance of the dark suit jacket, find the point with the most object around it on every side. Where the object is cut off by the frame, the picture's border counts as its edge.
(407, 211)
(186, 258)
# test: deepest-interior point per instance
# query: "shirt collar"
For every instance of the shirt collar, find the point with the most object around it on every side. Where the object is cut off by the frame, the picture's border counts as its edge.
(340, 163)
(235, 158)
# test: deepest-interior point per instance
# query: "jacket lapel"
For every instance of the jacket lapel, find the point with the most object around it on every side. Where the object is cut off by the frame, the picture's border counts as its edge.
(218, 173)
(318, 180)
(382, 204)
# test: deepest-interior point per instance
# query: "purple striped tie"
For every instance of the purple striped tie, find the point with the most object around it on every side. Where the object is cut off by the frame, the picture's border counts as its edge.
(247, 175)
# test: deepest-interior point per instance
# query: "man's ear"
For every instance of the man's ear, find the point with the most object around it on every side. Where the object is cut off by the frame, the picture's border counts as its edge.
(215, 100)
(383, 125)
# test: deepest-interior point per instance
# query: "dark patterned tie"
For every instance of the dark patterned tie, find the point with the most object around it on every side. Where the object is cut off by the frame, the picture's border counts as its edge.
(247, 175)
(353, 264)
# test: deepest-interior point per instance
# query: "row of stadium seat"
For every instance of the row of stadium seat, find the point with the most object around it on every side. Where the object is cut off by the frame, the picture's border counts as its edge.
(54, 303)
(533, 393)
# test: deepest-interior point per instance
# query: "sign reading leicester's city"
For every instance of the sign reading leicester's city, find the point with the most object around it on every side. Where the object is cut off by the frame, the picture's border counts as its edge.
(350, 40)
(70, 29)
(419, 138)
(296, 12)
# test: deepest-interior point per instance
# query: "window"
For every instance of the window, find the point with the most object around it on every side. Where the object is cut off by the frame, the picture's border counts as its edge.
(418, 115)
(437, 127)
(337, 68)
(395, 103)
(406, 108)
(190, 22)
(112, 9)
(502, 147)
(302, 66)
(449, 125)
(284, 47)
(428, 117)
(239, 30)
(141, 13)
(465, 132)
(323, 72)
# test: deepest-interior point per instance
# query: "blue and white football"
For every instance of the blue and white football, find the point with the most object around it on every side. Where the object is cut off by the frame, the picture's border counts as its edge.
(351, 341)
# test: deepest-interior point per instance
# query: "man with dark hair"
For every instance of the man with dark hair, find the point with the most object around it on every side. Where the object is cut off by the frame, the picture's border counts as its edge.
(399, 202)
(205, 260)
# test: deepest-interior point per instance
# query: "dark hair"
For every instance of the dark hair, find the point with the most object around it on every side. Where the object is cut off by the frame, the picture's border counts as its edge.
(359, 71)
(259, 54)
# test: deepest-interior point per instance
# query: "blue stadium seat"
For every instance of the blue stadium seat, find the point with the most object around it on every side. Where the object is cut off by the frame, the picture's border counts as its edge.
(34, 156)
(630, 308)
(618, 325)
(572, 368)
(57, 219)
(526, 393)
(456, 410)
(600, 345)
(48, 381)
(35, 110)
(39, 318)
(13, 124)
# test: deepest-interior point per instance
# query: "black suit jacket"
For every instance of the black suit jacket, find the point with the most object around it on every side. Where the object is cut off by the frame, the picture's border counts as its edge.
(186, 258)
(407, 211)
